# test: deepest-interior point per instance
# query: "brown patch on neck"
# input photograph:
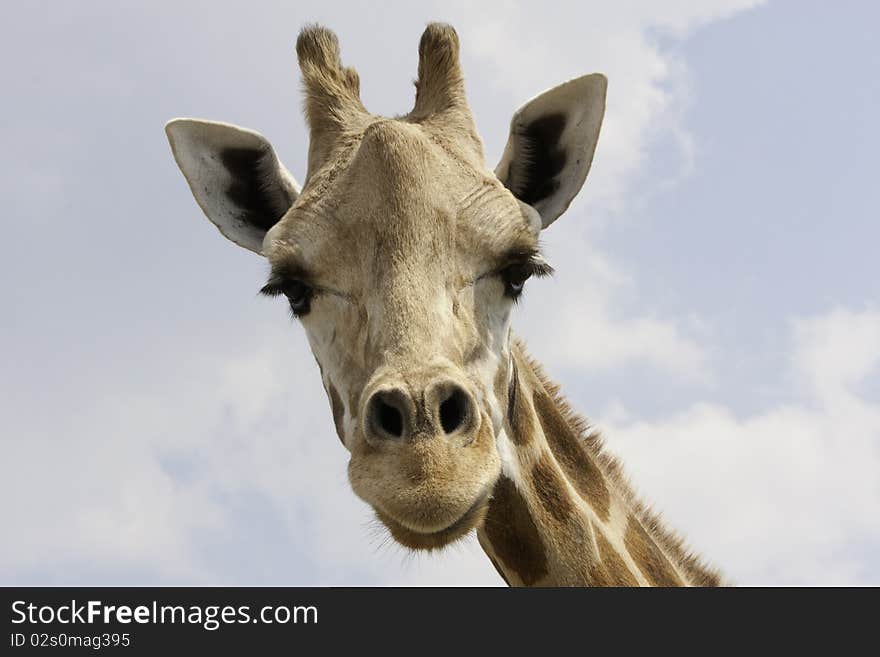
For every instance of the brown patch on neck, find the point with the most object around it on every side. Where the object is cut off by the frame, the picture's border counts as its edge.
(648, 556)
(513, 535)
(610, 568)
(578, 465)
(551, 490)
(338, 412)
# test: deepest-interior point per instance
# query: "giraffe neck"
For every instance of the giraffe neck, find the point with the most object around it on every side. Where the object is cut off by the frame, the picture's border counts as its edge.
(561, 514)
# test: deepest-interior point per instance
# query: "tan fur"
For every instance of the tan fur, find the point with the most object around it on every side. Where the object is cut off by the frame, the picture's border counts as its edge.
(698, 573)
(650, 558)
(402, 234)
(582, 542)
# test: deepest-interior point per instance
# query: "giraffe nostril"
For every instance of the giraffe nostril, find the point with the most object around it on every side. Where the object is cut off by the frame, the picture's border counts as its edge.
(390, 419)
(385, 414)
(453, 411)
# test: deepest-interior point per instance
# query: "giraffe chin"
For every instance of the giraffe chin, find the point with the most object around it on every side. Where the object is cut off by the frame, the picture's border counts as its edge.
(437, 540)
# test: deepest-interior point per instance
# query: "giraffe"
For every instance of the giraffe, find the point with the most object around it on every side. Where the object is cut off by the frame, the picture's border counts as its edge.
(402, 257)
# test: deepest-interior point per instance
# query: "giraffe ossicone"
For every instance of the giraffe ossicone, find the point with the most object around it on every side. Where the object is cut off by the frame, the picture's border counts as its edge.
(402, 256)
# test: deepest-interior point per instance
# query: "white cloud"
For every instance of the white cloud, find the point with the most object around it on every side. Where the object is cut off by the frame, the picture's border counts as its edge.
(790, 495)
(837, 352)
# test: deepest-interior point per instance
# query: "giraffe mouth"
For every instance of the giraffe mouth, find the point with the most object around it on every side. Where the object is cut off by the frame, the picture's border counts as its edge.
(434, 540)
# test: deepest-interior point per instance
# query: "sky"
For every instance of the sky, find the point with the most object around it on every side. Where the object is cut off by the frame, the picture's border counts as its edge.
(715, 308)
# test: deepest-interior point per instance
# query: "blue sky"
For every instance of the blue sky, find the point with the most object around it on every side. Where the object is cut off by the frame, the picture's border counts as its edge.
(715, 307)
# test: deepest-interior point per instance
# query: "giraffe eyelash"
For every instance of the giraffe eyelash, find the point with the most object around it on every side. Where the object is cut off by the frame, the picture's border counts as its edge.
(515, 274)
(299, 293)
(272, 289)
(531, 264)
(530, 259)
(538, 267)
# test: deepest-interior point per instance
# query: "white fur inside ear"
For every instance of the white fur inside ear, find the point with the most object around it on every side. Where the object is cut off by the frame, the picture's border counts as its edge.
(551, 144)
(202, 151)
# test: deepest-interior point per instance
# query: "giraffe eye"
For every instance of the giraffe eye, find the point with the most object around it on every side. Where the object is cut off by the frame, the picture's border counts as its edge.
(515, 277)
(299, 295)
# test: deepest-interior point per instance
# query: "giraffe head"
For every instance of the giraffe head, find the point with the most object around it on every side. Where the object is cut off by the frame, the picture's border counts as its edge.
(402, 257)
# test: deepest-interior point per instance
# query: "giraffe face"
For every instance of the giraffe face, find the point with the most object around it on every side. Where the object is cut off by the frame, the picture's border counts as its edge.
(402, 258)
(404, 284)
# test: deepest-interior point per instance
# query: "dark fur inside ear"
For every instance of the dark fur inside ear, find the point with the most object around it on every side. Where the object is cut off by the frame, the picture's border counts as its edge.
(253, 189)
(539, 159)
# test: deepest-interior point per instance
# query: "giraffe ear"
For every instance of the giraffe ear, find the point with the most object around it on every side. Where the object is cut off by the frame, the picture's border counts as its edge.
(235, 176)
(551, 144)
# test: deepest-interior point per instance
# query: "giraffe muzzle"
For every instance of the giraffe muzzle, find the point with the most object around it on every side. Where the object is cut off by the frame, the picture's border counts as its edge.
(425, 458)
